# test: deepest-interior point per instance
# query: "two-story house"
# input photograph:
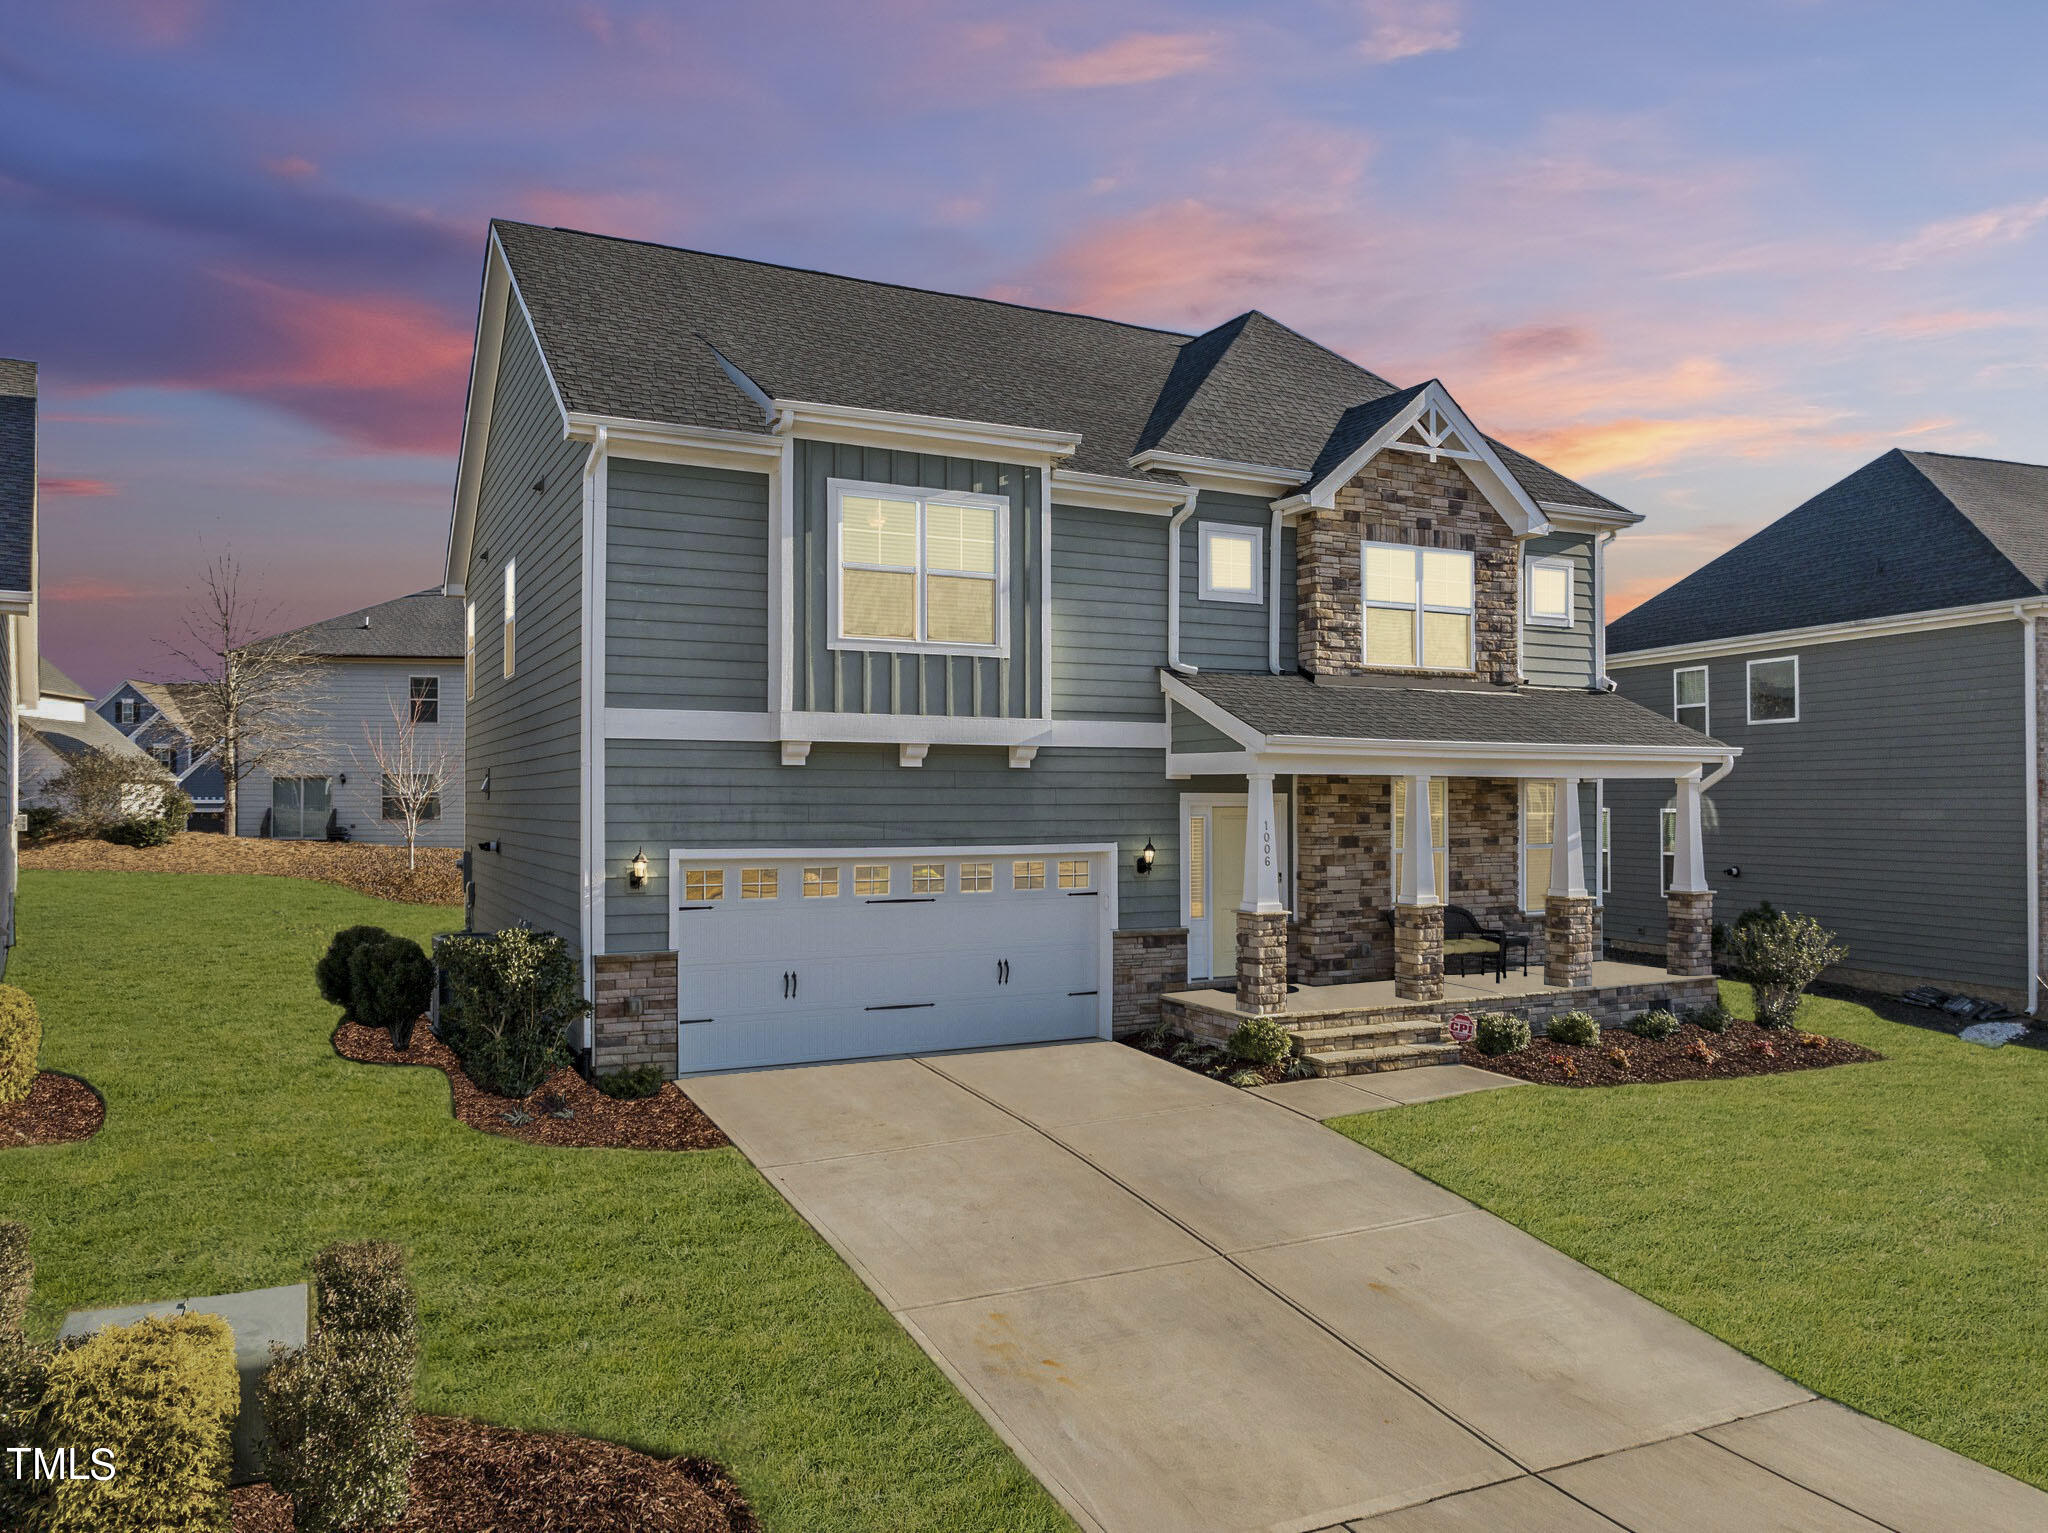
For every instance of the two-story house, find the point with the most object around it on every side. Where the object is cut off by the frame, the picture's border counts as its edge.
(1876, 653)
(20, 669)
(155, 716)
(857, 669)
(57, 729)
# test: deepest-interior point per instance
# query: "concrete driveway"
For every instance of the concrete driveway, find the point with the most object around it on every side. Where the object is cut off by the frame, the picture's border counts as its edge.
(1190, 1309)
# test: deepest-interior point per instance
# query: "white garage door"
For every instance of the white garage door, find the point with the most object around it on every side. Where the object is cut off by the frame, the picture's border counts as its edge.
(785, 956)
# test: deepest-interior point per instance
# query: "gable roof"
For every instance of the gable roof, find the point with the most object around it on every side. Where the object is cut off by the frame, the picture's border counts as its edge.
(423, 626)
(1907, 532)
(17, 474)
(55, 683)
(636, 331)
(64, 740)
(171, 699)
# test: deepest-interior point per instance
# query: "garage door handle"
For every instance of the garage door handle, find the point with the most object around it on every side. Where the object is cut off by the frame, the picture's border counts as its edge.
(795, 984)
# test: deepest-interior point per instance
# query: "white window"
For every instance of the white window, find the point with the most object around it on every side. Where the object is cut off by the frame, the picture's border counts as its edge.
(1539, 838)
(511, 612)
(125, 710)
(1027, 875)
(1606, 850)
(1074, 873)
(977, 877)
(871, 878)
(759, 883)
(1549, 583)
(1689, 697)
(1439, 832)
(821, 883)
(1230, 560)
(1774, 690)
(1198, 860)
(927, 878)
(1418, 608)
(704, 884)
(919, 569)
(1667, 845)
(469, 649)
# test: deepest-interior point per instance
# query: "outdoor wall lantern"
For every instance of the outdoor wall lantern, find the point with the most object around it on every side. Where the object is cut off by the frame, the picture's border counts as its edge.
(1734, 872)
(1146, 858)
(636, 871)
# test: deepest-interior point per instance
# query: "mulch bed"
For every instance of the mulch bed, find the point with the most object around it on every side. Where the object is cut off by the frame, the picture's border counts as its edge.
(378, 871)
(1203, 1059)
(59, 1109)
(473, 1478)
(668, 1120)
(1744, 1049)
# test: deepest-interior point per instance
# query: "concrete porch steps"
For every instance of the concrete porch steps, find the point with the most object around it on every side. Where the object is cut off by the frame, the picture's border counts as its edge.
(1385, 1056)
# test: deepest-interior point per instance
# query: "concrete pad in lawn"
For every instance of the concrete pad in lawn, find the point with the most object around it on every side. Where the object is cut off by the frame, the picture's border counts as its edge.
(1518, 1506)
(1902, 1481)
(1688, 1485)
(1187, 1399)
(810, 1112)
(1243, 1179)
(1061, 1083)
(1322, 1096)
(1428, 1083)
(1544, 1356)
(977, 1216)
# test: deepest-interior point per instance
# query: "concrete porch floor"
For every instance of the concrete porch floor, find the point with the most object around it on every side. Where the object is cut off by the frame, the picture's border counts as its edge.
(1314, 1001)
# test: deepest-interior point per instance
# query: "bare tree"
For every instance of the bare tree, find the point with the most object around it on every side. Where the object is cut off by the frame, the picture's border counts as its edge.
(416, 771)
(251, 701)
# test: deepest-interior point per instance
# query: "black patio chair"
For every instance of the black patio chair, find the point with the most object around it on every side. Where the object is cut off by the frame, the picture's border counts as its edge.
(1465, 939)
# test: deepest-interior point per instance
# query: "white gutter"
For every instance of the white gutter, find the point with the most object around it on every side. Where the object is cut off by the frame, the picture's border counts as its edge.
(1273, 597)
(596, 521)
(2030, 666)
(1187, 510)
(1601, 681)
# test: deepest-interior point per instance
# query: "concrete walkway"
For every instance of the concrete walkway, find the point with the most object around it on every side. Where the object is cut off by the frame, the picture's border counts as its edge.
(1188, 1308)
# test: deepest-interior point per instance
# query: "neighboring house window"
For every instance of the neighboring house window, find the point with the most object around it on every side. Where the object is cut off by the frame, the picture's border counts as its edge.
(918, 569)
(425, 692)
(1539, 841)
(124, 710)
(1774, 690)
(1550, 592)
(511, 612)
(1667, 845)
(166, 755)
(393, 810)
(1439, 832)
(1230, 560)
(1689, 697)
(1418, 608)
(469, 650)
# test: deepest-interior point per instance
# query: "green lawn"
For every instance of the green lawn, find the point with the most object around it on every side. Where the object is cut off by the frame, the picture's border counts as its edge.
(1878, 1232)
(667, 1300)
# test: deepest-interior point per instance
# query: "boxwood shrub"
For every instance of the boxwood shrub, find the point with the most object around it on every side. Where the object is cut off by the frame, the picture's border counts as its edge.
(1260, 1041)
(332, 970)
(1713, 1017)
(21, 1043)
(1500, 1032)
(631, 1085)
(1655, 1025)
(511, 997)
(390, 982)
(1573, 1027)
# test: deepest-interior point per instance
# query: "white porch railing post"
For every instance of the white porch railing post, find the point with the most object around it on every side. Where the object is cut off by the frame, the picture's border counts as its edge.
(1418, 856)
(1689, 865)
(1568, 842)
(1261, 848)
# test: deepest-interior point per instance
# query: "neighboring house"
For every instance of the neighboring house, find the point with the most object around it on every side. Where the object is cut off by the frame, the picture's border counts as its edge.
(20, 673)
(60, 728)
(154, 714)
(1875, 653)
(405, 653)
(859, 669)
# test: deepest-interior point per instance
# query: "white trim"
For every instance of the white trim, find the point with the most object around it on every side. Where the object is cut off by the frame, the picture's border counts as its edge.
(1603, 844)
(508, 621)
(2030, 668)
(591, 752)
(1664, 882)
(17, 603)
(1566, 567)
(1206, 589)
(943, 434)
(782, 567)
(1570, 518)
(1208, 764)
(1749, 691)
(1398, 852)
(1104, 492)
(1215, 715)
(1832, 633)
(880, 729)
(1273, 577)
(836, 491)
(1173, 582)
(1206, 804)
(1043, 606)
(1222, 474)
(1706, 702)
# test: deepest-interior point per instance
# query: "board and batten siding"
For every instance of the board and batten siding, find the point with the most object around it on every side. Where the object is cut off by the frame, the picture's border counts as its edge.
(526, 731)
(349, 700)
(872, 681)
(1229, 635)
(1561, 657)
(1108, 613)
(1892, 811)
(686, 588)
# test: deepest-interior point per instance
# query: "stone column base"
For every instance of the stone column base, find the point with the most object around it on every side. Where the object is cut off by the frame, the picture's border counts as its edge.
(1689, 931)
(1419, 952)
(635, 1021)
(1568, 940)
(1261, 962)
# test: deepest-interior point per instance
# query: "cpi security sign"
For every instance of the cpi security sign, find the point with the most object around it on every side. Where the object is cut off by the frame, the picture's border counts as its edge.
(1460, 1027)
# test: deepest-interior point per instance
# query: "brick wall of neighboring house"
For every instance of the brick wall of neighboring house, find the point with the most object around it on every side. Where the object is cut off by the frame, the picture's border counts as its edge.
(1145, 964)
(1402, 498)
(635, 1022)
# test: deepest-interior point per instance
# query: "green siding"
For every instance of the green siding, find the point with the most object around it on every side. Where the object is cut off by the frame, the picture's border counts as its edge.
(1108, 613)
(1194, 734)
(1232, 636)
(1562, 657)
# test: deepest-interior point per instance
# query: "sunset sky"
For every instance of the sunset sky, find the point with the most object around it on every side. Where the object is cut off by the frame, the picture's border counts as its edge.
(1707, 258)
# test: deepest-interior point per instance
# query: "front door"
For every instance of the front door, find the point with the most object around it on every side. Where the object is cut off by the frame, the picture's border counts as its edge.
(1212, 832)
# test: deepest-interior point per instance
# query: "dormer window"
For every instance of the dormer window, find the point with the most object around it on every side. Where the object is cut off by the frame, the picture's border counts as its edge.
(919, 569)
(1418, 608)
(1230, 561)
(1549, 586)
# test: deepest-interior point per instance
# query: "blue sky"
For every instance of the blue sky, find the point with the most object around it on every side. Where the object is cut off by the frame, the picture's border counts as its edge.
(1707, 258)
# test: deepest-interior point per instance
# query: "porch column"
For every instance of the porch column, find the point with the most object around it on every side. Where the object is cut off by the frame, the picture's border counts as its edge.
(1689, 906)
(1568, 907)
(1261, 918)
(1418, 908)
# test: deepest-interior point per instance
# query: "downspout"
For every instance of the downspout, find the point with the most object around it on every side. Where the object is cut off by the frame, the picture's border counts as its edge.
(2030, 667)
(1273, 597)
(596, 521)
(1173, 660)
(1601, 681)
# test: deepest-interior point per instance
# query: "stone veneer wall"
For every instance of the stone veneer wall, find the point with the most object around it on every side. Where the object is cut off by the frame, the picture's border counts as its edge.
(1261, 961)
(1145, 964)
(1401, 497)
(1419, 952)
(624, 1039)
(1569, 940)
(1689, 926)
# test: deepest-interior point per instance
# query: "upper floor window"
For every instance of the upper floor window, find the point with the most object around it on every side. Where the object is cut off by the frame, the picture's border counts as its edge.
(1774, 690)
(918, 569)
(1230, 560)
(1418, 607)
(511, 612)
(124, 710)
(425, 695)
(469, 649)
(1549, 586)
(1689, 697)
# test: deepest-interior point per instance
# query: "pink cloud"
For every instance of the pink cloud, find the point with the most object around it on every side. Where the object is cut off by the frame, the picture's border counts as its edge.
(1955, 236)
(88, 588)
(1406, 29)
(292, 167)
(88, 487)
(1139, 58)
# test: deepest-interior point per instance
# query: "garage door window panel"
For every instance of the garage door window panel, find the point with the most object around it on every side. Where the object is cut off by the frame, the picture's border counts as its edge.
(871, 878)
(928, 878)
(703, 885)
(1027, 875)
(977, 877)
(759, 883)
(821, 883)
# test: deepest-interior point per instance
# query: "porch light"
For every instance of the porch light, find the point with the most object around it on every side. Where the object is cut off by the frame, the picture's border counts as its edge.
(636, 871)
(1146, 858)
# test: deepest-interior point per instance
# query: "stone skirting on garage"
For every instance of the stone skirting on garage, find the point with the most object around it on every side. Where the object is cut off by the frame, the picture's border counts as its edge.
(1146, 964)
(635, 1021)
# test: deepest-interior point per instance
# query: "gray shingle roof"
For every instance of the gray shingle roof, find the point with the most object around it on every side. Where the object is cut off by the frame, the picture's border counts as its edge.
(1295, 705)
(17, 473)
(423, 626)
(54, 683)
(628, 329)
(1907, 532)
(47, 745)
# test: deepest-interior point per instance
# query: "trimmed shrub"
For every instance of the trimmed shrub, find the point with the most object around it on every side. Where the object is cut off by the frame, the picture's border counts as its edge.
(511, 997)
(98, 790)
(1260, 1041)
(332, 971)
(390, 983)
(17, 1279)
(1654, 1025)
(631, 1085)
(42, 822)
(161, 1395)
(363, 1289)
(1500, 1032)
(1713, 1017)
(1573, 1027)
(21, 1043)
(1780, 954)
